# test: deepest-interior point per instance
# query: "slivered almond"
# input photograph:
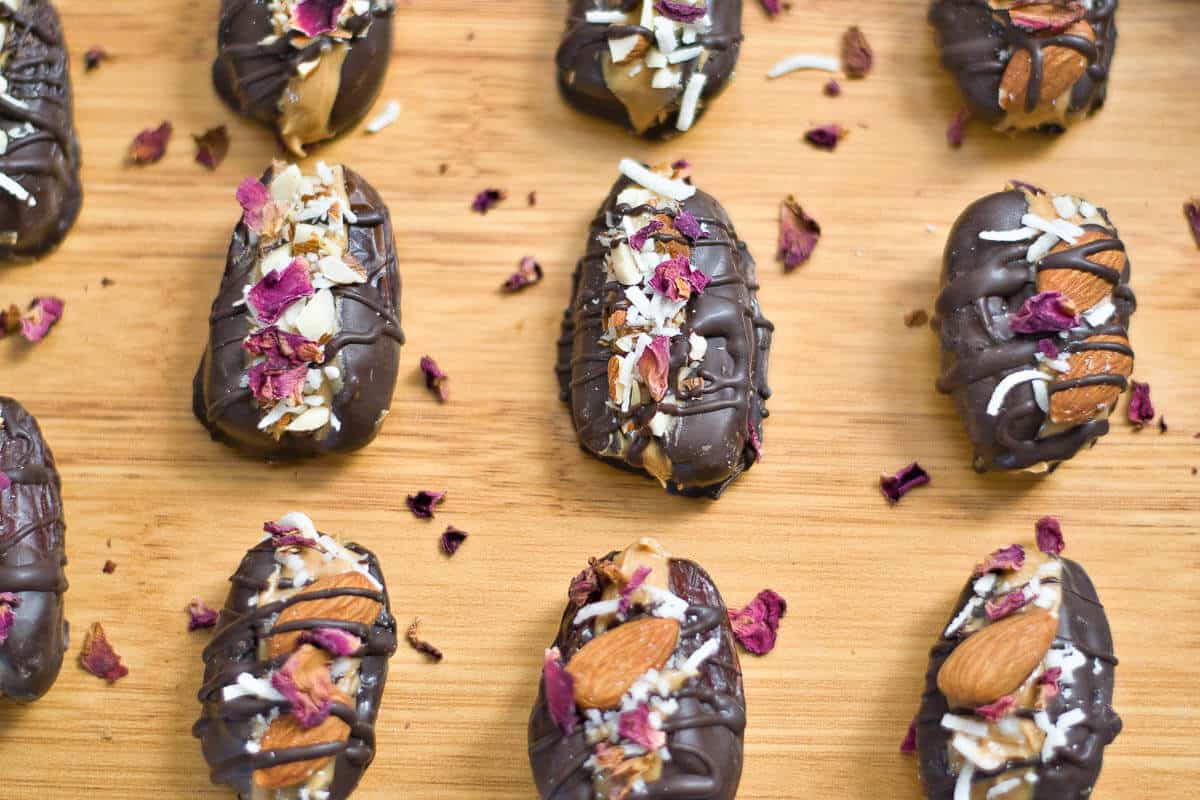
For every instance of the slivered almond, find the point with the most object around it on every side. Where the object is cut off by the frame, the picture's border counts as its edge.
(285, 732)
(1061, 68)
(1083, 288)
(607, 666)
(674, 249)
(996, 660)
(347, 608)
(1072, 406)
(614, 372)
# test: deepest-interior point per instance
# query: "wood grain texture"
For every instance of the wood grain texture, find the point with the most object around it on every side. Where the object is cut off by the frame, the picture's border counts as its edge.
(868, 586)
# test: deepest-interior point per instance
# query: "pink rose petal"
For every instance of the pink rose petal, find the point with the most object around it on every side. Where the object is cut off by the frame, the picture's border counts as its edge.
(559, 687)
(43, 313)
(1005, 559)
(335, 641)
(798, 235)
(1045, 312)
(200, 615)
(635, 583)
(279, 289)
(654, 366)
(635, 726)
(1050, 536)
(755, 627)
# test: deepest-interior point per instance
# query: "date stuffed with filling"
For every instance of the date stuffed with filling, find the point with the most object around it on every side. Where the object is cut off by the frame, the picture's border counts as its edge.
(1026, 65)
(641, 692)
(304, 336)
(653, 65)
(1033, 318)
(40, 192)
(309, 68)
(1017, 702)
(33, 632)
(663, 355)
(295, 671)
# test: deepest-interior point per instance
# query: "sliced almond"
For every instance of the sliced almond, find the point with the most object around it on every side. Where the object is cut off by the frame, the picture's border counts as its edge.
(1061, 68)
(1073, 406)
(614, 375)
(607, 666)
(285, 733)
(1083, 288)
(347, 608)
(997, 660)
(286, 184)
(311, 419)
(319, 317)
(625, 49)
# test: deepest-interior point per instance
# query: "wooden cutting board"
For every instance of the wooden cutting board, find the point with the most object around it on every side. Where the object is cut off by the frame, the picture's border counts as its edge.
(868, 585)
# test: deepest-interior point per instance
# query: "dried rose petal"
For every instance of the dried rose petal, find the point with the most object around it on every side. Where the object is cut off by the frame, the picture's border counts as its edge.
(1002, 560)
(559, 686)
(309, 692)
(755, 626)
(679, 11)
(259, 212)
(421, 504)
(826, 137)
(528, 273)
(435, 378)
(486, 200)
(956, 131)
(150, 145)
(43, 313)
(687, 224)
(916, 318)
(275, 529)
(109, 567)
(584, 585)
(635, 726)
(278, 289)
(654, 365)
(270, 384)
(896, 486)
(283, 349)
(1048, 684)
(99, 658)
(1064, 16)
(999, 709)
(212, 146)
(8, 602)
(1045, 312)
(1047, 348)
(857, 56)
(832, 89)
(681, 168)
(1191, 210)
(314, 17)
(909, 744)
(638, 240)
(93, 57)
(451, 539)
(1026, 186)
(335, 641)
(420, 645)
(676, 279)
(798, 234)
(531, 199)
(755, 441)
(1012, 602)
(1141, 410)
(1050, 536)
(200, 615)
(635, 583)
(289, 537)
(772, 7)
(5, 481)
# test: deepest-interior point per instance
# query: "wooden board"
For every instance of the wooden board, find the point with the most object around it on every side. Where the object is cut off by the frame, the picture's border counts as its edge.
(868, 585)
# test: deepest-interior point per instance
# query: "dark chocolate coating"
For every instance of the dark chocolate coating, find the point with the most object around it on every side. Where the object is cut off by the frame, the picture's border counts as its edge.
(1073, 772)
(976, 356)
(32, 557)
(711, 446)
(704, 736)
(368, 340)
(977, 43)
(251, 77)
(584, 49)
(45, 161)
(224, 727)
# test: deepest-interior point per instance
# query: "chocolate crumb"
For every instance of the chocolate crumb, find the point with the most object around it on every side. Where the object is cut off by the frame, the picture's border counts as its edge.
(832, 89)
(531, 199)
(420, 645)
(93, 57)
(110, 567)
(1162, 424)
(916, 318)
(106, 282)
(443, 169)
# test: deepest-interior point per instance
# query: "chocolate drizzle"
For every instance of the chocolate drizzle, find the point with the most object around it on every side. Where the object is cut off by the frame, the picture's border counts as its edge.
(1074, 768)
(224, 726)
(711, 444)
(704, 735)
(32, 557)
(368, 342)
(40, 150)
(982, 283)
(977, 43)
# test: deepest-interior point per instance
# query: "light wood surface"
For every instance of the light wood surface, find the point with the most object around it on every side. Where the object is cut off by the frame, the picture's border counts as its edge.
(868, 586)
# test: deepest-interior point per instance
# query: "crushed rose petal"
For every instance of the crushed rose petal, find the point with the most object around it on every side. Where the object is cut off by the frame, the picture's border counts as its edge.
(109, 567)
(1044, 312)
(212, 146)
(259, 212)
(200, 615)
(308, 690)
(676, 280)
(1191, 210)
(584, 585)
(1026, 186)
(8, 602)
(638, 240)
(421, 504)
(635, 583)
(1048, 683)
(420, 645)
(681, 168)
(956, 131)
(278, 289)
(335, 641)
(150, 145)
(451, 539)
(916, 318)
(271, 383)
(314, 17)
(1047, 348)
(1005, 559)
(678, 11)
(909, 743)
(755, 626)
(999, 709)
(1050, 536)
(654, 365)
(832, 89)
(43, 313)
(435, 379)
(5, 481)
(486, 200)
(1141, 409)
(896, 486)
(857, 56)
(772, 7)
(1012, 602)
(687, 224)
(559, 687)
(1068, 14)
(98, 656)
(826, 137)
(635, 726)
(283, 349)
(529, 272)
(93, 57)
(755, 441)
(798, 234)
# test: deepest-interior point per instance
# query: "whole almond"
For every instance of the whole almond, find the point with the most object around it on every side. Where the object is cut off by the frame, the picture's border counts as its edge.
(607, 666)
(996, 660)
(1082, 288)
(1072, 406)
(285, 732)
(347, 608)
(1061, 67)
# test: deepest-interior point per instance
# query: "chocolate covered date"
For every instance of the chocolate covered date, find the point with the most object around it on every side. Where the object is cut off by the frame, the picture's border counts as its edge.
(653, 65)
(309, 68)
(1023, 65)
(304, 336)
(641, 692)
(1033, 318)
(295, 672)
(1017, 702)
(33, 632)
(663, 355)
(40, 192)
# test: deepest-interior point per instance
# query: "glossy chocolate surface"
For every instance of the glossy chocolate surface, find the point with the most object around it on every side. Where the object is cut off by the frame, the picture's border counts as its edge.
(712, 444)
(39, 150)
(224, 727)
(704, 736)
(367, 344)
(32, 557)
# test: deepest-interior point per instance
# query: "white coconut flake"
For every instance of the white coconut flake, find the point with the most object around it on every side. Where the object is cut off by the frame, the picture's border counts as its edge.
(702, 654)
(1008, 383)
(1015, 235)
(685, 54)
(593, 610)
(1039, 248)
(667, 604)
(1041, 396)
(655, 59)
(1059, 227)
(1086, 209)
(962, 786)
(974, 753)
(338, 271)
(674, 189)
(664, 34)
(983, 585)
(390, 113)
(1002, 788)
(249, 686)
(12, 187)
(804, 61)
(691, 100)
(666, 79)
(1100, 313)
(600, 17)
(301, 522)
(961, 619)
(319, 317)
(1064, 205)
(620, 47)
(967, 725)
